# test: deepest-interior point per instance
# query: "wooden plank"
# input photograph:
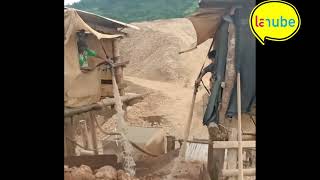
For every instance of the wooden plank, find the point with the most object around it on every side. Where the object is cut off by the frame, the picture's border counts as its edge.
(224, 144)
(105, 74)
(232, 153)
(107, 89)
(94, 162)
(233, 144)
(235, 172)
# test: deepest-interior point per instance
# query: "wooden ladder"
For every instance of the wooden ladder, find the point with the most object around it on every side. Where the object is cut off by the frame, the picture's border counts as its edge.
(231, 156)
(232, 159)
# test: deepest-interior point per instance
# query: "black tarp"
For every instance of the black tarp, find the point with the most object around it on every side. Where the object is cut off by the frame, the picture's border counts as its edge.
(245, 57)
(246, 63)
(221, 47)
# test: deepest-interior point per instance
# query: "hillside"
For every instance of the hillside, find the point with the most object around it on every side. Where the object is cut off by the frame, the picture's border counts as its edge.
(138, 10)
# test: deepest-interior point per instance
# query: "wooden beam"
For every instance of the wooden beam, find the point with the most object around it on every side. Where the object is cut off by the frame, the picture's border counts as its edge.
(233, 144)
(97, 106)
(235, 172)
(224, 144)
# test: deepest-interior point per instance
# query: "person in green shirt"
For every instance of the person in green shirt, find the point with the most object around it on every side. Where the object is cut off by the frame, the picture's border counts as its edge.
(84, 51)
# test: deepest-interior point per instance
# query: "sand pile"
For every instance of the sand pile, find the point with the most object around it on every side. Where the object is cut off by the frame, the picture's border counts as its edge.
(153, 51)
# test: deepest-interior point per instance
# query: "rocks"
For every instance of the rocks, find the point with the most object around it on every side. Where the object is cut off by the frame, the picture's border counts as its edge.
(81, 173)
(125, 176)
(104, 173)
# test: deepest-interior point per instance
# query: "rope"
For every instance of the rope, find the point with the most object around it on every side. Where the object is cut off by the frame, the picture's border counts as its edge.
(252, 120)
(82, 147)
(104, 132)
(206, 88)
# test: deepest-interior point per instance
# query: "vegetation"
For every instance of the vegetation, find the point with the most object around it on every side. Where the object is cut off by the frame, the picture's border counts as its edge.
(138, 10)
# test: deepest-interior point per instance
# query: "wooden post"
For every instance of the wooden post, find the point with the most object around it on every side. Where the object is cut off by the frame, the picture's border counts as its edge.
(230, 74)
(121, 125)
(93, 132)
(69, 134)
(210, 161)
(65, 143)
(215, 160)
(171, 141)
(240, 159)
(116, 59)
(232, 153)
(84, 133)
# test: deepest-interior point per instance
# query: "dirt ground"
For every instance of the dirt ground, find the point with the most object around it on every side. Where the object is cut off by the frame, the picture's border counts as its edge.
(157, 67)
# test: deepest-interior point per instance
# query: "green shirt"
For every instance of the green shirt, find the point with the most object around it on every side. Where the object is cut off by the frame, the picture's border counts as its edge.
(85, 55)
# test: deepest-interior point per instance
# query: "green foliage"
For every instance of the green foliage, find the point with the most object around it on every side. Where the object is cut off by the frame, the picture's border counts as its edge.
(138, 10)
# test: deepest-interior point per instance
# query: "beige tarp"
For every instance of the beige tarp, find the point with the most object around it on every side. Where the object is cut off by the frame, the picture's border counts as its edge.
(82, 88)
(205, 22)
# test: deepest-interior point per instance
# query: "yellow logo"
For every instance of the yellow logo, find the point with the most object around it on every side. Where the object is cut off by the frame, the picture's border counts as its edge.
(274, 20)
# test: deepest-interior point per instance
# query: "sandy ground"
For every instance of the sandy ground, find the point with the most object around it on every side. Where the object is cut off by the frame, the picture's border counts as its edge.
(156, 66)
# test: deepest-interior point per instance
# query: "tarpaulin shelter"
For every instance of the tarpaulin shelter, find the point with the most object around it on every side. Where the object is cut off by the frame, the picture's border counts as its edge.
(213, 20)
(83, 88)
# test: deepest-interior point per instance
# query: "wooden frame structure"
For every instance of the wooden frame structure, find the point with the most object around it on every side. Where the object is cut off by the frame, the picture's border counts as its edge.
(88, 128)
(231, 165)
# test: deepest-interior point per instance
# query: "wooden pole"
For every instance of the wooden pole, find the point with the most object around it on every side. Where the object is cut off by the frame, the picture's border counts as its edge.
(240, 159)
(188, 126)
(116, 59)
(93, 132)
(230, 74)
(65, 143)
(121, 125)
(105, 102)
(84, 133)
